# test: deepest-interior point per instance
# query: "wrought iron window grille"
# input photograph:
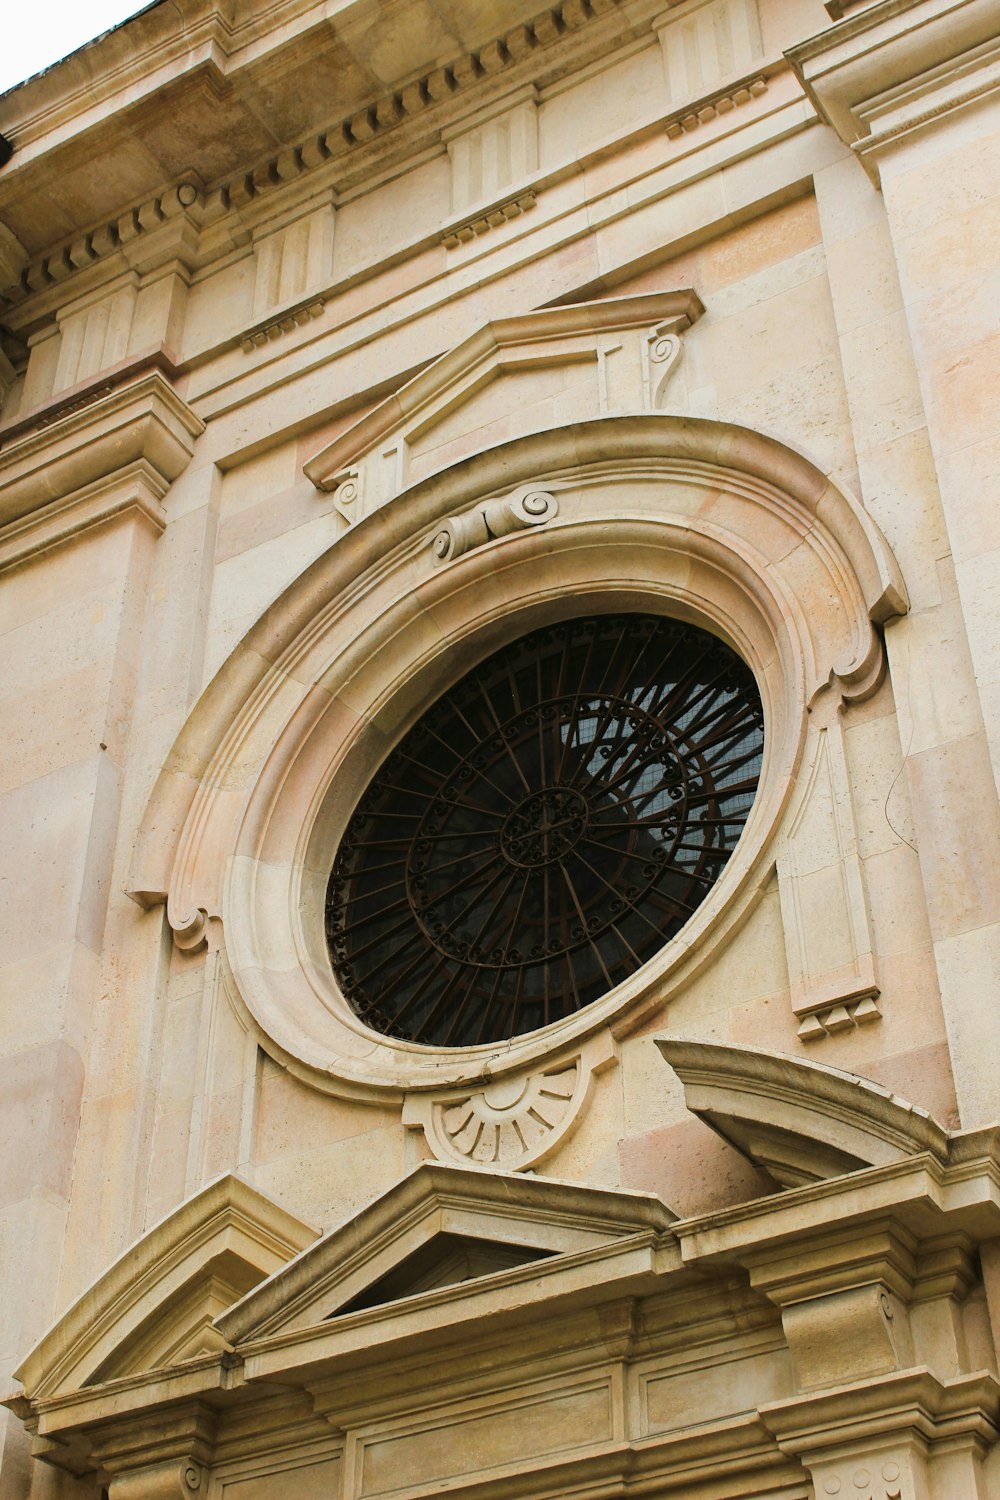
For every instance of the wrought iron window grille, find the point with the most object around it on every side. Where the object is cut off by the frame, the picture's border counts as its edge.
(543, 829)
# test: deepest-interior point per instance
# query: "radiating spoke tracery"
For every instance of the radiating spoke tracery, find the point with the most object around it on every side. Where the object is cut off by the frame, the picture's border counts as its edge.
(544, 829)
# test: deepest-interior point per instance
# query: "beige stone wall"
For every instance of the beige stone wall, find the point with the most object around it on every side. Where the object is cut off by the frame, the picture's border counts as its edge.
(222, 427)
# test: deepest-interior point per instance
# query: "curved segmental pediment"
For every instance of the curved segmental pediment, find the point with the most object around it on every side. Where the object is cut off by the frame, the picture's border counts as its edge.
(798, 1121)
(440, 1226)
(156, 1304)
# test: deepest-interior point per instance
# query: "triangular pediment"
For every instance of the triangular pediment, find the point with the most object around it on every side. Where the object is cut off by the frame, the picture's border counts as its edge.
(441, 1226)
(513, 376)
(157, 1304)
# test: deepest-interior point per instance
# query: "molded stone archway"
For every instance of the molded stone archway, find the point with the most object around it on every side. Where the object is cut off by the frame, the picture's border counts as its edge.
(705, 521)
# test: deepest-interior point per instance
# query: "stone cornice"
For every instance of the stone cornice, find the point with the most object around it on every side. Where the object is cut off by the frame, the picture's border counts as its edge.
(920, 1194)
(139, 425)
(794, 1119)
(435, 96)
(88, 391)
(227, 1215)
(97, 244)
(909, 1400)
(898, 65)
(564, 1218)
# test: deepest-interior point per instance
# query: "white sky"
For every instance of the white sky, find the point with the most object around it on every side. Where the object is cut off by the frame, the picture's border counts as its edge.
(36, 33)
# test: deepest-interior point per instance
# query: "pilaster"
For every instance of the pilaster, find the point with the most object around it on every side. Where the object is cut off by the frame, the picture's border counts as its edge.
(908, 87)
(81, 512)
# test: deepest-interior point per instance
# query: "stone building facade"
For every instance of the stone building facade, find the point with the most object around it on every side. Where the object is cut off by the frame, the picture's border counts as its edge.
(351, 353)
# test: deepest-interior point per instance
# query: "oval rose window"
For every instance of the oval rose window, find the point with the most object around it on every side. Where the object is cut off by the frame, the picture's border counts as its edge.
(544, 829)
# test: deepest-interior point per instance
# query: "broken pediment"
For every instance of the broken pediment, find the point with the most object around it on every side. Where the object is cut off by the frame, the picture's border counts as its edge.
(514, 376)
(440, 1227)
(798, 1121)
(157, 1304)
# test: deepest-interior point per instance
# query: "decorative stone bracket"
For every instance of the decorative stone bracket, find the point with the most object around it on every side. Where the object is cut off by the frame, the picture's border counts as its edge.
(172, 1481)
(661, 351)
(161, 1458)
(829, 946)
(492, 519)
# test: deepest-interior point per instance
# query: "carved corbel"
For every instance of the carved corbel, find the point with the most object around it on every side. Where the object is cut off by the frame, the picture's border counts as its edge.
(348, 489)
(174, 1481)
(621, 1325)
(190, 929)
(162, 1456)
(859, 675)
(492, 519)
(661, 353)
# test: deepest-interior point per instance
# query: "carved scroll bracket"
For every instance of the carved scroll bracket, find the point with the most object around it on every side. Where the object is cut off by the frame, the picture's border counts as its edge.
(347, 494)
(491, 519)
(661, 353)
(194, 931)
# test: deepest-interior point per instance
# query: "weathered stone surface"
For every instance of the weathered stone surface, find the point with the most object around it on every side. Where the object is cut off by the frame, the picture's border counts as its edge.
(341, 346)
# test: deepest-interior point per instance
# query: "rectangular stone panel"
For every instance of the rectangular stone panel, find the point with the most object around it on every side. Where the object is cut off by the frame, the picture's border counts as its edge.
(298, 1481)
(672, 1400)
(468, 1443)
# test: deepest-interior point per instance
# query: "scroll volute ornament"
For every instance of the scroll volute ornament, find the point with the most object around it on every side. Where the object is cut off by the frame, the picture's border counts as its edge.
(172, 1481)
(491, 520)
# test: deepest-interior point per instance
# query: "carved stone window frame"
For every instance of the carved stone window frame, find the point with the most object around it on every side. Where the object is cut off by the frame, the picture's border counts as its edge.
(700, 520)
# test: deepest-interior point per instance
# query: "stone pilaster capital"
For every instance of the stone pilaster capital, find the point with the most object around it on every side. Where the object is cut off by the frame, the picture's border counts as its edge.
(156, 1456)
(878, 1439)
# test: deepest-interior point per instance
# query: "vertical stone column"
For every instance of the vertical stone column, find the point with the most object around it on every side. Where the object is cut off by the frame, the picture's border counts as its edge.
(956, 815)
(944, 223)
(132, 1062)
(945, 239)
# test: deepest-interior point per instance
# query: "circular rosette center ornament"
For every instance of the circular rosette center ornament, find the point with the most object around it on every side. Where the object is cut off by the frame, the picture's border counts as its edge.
(544, 829)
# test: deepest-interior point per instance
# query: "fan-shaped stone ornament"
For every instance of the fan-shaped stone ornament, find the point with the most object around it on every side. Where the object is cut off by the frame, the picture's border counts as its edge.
(513, 1122)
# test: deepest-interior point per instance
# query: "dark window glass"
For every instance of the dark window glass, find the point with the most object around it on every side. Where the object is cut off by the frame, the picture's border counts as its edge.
(544, 829)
